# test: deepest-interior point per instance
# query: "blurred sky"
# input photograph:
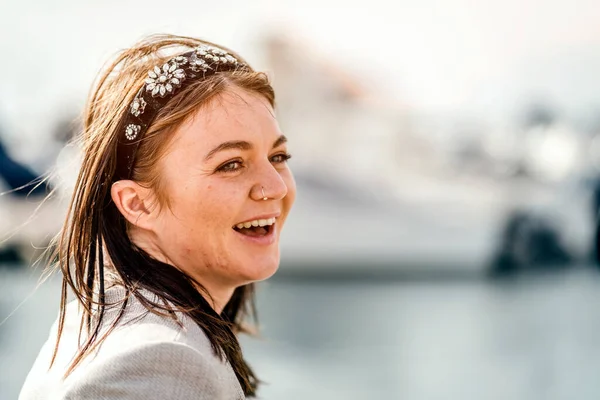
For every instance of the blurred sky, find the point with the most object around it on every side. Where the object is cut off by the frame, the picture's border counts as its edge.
(440, 56)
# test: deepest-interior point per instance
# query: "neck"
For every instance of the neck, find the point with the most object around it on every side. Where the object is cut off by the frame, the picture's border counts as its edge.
(217, 299)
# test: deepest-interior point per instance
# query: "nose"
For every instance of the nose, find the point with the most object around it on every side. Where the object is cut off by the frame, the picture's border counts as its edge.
(269, 184)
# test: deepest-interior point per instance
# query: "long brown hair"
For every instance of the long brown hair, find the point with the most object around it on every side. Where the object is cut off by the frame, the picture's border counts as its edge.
(95, 229)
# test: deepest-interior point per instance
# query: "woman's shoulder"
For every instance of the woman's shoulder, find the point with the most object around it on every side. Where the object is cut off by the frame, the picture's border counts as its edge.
(149, 369)
(150, 355)
(144, 356)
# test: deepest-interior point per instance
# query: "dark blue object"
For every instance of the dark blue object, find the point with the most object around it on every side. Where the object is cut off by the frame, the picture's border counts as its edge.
(17, 175)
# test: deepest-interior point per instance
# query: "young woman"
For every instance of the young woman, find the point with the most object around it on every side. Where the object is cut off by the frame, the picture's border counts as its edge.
(177, 210)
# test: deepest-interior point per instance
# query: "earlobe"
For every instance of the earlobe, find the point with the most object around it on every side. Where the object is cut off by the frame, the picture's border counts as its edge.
(132, 201)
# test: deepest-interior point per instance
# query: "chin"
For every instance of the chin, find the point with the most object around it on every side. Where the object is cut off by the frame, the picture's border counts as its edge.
(260, 270)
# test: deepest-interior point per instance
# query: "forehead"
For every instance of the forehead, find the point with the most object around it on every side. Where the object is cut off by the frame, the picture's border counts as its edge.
(232, 115)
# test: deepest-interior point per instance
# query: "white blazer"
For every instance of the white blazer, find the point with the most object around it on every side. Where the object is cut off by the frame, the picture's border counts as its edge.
(146, 357)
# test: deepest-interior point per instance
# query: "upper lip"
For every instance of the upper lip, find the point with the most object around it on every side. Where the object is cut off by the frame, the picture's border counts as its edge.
(263, 216)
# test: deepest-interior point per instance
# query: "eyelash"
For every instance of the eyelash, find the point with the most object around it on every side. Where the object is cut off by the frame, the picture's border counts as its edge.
(224, 168)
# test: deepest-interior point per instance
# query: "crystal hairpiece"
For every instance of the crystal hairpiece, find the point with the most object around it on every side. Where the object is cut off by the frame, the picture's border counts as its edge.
(162, 83)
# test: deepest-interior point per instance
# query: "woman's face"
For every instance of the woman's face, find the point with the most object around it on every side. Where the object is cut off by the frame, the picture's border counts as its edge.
(214, 172)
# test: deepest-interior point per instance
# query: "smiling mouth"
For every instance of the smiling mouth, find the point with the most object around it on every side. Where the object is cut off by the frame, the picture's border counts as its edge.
(255, 231)
(255, 228)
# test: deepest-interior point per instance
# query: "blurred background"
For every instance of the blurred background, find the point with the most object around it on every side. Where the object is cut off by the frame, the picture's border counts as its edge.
(447, 156)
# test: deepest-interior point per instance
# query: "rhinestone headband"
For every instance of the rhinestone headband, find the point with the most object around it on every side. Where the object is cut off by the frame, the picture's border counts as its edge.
(161, 84)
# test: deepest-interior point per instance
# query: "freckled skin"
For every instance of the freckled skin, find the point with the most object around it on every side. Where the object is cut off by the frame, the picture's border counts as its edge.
(195, 233)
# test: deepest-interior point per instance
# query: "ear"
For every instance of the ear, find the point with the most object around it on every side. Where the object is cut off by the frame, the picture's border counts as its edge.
(136, 203)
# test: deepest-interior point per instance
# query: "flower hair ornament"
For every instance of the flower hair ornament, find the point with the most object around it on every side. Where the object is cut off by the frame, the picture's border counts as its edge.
(162, 82)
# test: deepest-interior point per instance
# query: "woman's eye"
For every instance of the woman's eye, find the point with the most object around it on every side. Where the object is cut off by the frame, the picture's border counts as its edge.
(281, 158)
(230, 166)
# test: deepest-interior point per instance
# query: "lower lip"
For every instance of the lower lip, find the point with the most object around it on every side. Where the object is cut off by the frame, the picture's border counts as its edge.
(266, 240)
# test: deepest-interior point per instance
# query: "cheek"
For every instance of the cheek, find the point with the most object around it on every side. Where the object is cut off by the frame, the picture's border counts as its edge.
(204, 211)
(202, 222)
(211, 206)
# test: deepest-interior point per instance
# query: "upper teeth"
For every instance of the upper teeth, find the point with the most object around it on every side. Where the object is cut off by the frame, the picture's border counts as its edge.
(256, 222)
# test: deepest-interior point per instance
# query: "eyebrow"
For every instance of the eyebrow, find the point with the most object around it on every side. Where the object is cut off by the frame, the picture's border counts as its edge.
(240, 145)
(280, 140)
